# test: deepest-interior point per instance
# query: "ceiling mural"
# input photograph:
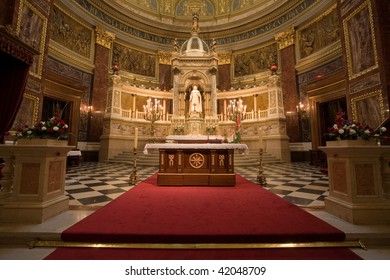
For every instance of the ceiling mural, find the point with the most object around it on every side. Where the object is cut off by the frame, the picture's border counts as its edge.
(184, 8)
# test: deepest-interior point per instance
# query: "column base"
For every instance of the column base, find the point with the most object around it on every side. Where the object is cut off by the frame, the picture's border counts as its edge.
(33, 212)
(359, 214)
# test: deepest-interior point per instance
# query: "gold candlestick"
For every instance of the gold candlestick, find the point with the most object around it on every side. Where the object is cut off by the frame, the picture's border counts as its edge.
(260, 176)
(134, 178)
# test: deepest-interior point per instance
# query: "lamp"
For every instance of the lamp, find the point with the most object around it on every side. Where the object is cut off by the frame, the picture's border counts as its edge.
(115, 69)
(274, 69)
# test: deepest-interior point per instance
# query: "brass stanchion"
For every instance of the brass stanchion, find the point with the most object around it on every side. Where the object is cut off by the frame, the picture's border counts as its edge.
(260, 176)
(134, 178)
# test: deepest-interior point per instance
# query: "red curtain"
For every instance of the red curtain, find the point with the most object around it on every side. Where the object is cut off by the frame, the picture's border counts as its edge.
(13, 78)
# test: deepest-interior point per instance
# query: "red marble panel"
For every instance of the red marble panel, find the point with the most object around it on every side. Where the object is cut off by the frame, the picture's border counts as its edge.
(99, 95)
(340, 179)
(290, 92)
(165, 77)
(29, 181)
(224, 77)
(365, 185)
(55, 176)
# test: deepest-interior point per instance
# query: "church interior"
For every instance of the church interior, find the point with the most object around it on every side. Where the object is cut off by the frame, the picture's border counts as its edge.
(196, 91)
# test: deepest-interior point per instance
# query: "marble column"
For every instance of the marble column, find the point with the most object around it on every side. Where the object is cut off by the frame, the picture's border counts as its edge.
(286, 41)
(213, 95)
(98, 101)
(176, 95)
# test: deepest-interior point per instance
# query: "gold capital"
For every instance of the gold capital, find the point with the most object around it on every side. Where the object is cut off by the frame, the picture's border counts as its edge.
(104, 37)
(285, 38)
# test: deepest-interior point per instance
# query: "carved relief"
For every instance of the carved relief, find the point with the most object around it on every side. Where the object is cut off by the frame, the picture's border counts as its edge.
(70, 33)
(134, 61)
(255, 61)
(321, 33)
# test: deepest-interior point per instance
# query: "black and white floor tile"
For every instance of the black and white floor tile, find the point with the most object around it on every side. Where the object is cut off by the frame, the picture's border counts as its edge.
(94, 184)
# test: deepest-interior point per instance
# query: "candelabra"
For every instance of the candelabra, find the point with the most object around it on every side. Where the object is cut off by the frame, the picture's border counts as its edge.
(152, 113)
(236, 112)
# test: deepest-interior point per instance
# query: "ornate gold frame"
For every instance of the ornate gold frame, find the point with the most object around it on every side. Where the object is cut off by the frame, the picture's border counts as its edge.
(31, 118)
(347, 37)
(38, 61)
(355, 100)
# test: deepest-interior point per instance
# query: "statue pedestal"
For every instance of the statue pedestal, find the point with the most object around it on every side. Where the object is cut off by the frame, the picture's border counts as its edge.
(38, 182)
(195, 124)
(358, 180)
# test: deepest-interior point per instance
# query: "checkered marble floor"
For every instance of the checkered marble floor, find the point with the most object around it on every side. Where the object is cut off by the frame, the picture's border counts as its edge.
(94, 184)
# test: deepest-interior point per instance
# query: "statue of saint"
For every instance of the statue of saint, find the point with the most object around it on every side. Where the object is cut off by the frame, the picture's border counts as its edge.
(195, 100)
(195, 23)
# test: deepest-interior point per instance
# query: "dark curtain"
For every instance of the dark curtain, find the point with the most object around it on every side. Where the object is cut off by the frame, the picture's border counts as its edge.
(13, 78)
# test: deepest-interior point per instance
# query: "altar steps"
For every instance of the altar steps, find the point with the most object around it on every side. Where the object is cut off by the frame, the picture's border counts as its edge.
(151, 159)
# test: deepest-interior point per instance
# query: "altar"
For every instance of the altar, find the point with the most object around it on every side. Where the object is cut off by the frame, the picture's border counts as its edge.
(200, 164)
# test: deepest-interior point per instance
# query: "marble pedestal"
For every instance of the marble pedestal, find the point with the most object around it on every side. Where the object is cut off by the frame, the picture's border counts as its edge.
(357, 183)
(37, 176)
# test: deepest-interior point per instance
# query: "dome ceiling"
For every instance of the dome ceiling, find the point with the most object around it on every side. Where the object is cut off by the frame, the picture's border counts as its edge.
(228, 22)
(213, 13)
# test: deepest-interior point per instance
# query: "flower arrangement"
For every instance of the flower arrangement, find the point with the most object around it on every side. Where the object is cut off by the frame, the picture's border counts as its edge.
(211, 129)
(350, 130)
(54, 128)
(179, 129)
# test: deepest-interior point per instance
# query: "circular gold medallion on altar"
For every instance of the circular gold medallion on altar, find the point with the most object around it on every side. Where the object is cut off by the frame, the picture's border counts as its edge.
(196, 160)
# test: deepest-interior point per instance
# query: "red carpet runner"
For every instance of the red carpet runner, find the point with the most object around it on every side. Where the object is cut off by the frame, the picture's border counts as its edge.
(245, 213)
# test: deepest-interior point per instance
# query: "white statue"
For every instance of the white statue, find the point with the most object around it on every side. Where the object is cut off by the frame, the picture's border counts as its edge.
(195, 100)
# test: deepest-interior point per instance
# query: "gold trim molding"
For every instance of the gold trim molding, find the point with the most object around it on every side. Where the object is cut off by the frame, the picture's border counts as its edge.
(286, 38)
(352, 243)
(104, 38)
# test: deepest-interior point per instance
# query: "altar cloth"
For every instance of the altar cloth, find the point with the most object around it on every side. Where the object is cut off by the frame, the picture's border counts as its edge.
(196, 146)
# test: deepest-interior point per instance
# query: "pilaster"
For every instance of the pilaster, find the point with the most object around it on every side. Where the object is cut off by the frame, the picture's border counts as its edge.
(286, 42)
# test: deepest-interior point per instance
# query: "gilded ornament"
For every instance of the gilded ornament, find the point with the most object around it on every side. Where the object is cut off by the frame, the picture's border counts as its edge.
(286, 38)
(104, 38)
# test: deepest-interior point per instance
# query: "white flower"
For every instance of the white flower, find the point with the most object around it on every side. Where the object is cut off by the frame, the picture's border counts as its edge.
(335, 126)
(367, 131)
(29, 131)
(43, 127)
(353, 125)
(55, 128)
(383, 129)
(66, 126)
(42, 123)
(352, 132)
(341, 131)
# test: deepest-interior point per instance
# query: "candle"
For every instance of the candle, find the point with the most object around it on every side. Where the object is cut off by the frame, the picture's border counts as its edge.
(261, 137)
(135, 138)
